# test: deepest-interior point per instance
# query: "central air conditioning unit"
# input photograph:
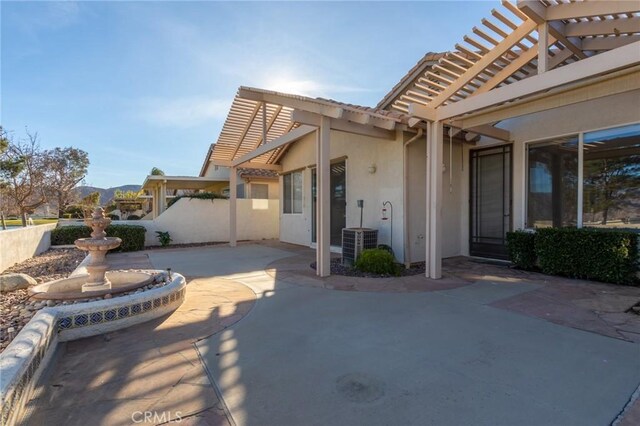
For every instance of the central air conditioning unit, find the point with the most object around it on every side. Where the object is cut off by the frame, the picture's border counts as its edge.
(355, 240)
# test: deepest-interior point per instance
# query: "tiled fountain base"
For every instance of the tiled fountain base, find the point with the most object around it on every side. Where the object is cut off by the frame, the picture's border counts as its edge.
(151, 367)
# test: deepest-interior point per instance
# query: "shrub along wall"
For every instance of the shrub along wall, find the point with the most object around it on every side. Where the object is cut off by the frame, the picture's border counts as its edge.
(589, 253)
(132, 236)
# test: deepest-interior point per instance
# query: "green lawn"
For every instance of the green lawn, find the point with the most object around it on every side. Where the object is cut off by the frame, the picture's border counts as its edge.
(18, 222)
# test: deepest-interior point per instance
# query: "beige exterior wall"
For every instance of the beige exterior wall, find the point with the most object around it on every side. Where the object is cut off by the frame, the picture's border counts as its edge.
(359, 153)
(19, 244)
(201, 221)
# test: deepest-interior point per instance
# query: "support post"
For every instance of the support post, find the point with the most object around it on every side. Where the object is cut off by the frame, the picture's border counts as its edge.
(435, 200)
(543, 47)
(323, 213)
(233, 206)
(163, 197)
(154, 202)
(427, 207)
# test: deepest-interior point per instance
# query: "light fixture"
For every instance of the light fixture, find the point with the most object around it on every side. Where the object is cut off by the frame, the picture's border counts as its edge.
(372, 169)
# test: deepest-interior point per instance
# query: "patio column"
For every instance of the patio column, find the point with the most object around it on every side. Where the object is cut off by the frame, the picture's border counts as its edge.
(154, 202)
(434, 200)
(323, 205)
(233, 206)
(163, 197)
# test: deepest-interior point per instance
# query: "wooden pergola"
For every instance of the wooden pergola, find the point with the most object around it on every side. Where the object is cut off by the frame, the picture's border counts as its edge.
(262, 124)
(530, 56)
(527, 57)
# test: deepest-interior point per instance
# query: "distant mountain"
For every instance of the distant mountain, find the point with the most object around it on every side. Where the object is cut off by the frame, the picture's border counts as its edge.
(106, 195)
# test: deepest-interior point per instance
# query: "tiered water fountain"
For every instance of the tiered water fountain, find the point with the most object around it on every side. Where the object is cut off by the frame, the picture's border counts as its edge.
(97, 281)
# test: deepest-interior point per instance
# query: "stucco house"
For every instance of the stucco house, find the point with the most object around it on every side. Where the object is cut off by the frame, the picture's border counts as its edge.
(520, 125)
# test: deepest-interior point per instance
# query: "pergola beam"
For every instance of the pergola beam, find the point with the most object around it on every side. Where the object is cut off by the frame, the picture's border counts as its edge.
(274, 98)
(489, 58)
(587, 9)
(287, 138)
(623, 81)
(536, 11)
(608, 43)
(604, 27)
(603, 63)
(342, 125)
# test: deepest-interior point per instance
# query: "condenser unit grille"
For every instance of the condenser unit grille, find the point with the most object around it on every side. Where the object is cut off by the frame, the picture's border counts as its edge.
(355, 240)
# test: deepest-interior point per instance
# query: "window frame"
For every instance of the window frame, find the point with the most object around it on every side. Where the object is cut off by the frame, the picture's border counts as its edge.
(293, 212)
(580, 194)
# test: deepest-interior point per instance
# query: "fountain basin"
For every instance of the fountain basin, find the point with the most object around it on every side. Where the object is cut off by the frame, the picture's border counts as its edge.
(72, 288)
(105, 244)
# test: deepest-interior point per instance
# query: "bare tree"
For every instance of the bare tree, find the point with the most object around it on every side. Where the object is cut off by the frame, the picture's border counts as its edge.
(22, 173)
(66, 168)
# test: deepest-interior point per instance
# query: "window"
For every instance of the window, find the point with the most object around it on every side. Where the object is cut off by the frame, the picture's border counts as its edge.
(610, 184)
(553, 183)
(260, 191)
(612, 178)
(240, 190)
(292, 190)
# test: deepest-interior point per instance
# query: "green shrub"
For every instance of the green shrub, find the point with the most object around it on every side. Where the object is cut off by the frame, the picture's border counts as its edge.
(198, 196)
(164, 237)
(132, 236)
(133, 217)
(521, 247)
(114, 217)
(377, 261)
(589, 253)
(75, 212)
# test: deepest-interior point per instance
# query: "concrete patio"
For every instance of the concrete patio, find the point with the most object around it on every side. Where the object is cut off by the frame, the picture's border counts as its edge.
(485, 345)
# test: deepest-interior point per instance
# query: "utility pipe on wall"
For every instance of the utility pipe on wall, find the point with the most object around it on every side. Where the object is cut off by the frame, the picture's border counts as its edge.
(405, 198)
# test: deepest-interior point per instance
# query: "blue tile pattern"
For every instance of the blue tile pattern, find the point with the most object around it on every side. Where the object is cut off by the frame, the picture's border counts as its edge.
(12, 401)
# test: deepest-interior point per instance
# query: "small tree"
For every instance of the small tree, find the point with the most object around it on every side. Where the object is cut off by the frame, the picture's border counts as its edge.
(156, 172)
(23, 174)
(91, 201)
(66, 168)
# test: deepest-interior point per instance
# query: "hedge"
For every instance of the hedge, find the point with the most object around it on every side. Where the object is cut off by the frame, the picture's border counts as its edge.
(521, 247)
(132, 236)
(198, 196)
(588, 253)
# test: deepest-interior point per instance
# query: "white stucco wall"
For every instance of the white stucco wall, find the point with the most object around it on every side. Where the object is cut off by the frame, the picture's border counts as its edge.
(220, 173)
(19, 244)
(359, 152)
(202, 221)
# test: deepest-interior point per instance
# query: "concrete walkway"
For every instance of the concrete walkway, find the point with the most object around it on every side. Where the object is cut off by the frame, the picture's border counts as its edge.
(475, 348)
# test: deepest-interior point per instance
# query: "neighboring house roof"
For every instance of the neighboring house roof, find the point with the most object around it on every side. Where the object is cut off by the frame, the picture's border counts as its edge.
(257, 173)
(207, 160)
(257, 111)
(504, 50)
(180, 182)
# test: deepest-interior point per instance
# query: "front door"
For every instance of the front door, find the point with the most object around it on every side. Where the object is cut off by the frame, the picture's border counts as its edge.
(338, 199)
(490, 201)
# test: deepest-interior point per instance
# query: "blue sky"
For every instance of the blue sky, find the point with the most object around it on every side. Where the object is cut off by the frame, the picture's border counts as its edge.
(144, 84)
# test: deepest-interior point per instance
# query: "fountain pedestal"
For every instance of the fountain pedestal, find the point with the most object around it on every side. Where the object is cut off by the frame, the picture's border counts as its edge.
(97, 246)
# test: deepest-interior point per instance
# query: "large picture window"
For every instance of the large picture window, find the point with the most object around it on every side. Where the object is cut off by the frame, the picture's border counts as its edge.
(609, 184)
(292, 191)
(553, 183)
(612, 178)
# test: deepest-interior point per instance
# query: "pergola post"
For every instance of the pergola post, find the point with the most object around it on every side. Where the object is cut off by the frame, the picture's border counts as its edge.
(233, 206)
(154, 201)
(323, 213)
(434, 199)
(543, 49)
(163, 197)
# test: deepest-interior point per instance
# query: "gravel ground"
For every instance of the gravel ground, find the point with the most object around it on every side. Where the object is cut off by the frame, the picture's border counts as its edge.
(16, 309)
(337, 268)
